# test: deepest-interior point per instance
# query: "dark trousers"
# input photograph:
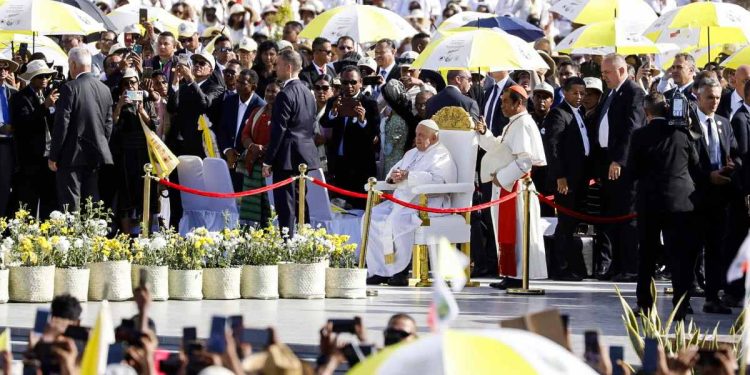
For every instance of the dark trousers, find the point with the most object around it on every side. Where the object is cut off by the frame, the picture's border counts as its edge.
(285, 201)
(7, 166)
(620, 239)
(739, 223)
(483, 249)
(75, 184)
(713, 234)
(568, 253)
(680, 246)
(35, 188)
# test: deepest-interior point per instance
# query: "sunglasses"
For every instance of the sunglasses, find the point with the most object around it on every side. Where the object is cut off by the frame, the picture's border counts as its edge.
(201, 63)
(131, 82)
(224, 49)
(349, 82)
(321, 87)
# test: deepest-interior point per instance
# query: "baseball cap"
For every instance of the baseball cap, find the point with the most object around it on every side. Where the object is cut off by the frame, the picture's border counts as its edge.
(248, 44)
(187, 29)
(204, 55)
(546, 87)
(283, 44)
(368, 62)
(593, 83)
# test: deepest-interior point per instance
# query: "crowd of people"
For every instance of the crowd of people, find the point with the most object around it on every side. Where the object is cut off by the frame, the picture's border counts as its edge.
(597, 132)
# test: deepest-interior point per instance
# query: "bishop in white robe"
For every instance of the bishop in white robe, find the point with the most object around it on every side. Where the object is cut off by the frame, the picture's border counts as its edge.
(392, 227)
(507, 163)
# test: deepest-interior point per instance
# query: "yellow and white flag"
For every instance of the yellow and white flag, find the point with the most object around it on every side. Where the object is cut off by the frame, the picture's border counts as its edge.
(5, 341)
(161, 157)
(449, 264)
(210, 146)
(94, 360)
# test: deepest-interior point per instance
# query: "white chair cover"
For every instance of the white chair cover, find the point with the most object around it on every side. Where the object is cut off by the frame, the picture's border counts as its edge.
(190, 172)
(319, 208)
(199, 211)
(217, 179)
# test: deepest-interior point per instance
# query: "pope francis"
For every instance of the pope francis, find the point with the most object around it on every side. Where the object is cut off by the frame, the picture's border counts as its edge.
(507, 163)
(392, 227)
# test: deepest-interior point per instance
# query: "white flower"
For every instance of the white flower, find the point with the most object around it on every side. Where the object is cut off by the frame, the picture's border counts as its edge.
(6, 245)
(57, 216)
(78, 243)
(158, 243)
(63, 244)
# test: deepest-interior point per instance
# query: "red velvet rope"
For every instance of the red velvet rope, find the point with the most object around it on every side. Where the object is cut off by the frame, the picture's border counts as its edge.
(584, 217)
(210, 194)
(338, 190)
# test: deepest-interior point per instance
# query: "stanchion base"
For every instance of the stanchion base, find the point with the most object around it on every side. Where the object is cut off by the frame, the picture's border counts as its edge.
(419, 283)
(668, 290)
(371, 292)
(525, 292)
(472, 284)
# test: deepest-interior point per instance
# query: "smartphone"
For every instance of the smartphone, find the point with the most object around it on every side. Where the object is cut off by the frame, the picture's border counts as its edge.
(115, 354)
(650, 356)
(40, 322)
(235, 321)
(23, 48)
(142, 15)
(343, 325)
(137, 49)
(148, 72)
(217, 340)
(189, 334)
(371, 80)
(616, 353)
(355, 353)
(591, 347)
(77, 333)
(183, 59)
(134, 95)
(257, 337)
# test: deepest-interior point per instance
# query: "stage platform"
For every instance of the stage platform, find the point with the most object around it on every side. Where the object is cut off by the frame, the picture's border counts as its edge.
(590, 305)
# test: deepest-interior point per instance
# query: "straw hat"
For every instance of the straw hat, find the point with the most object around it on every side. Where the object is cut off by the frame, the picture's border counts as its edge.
(8, 63)
(35, 68)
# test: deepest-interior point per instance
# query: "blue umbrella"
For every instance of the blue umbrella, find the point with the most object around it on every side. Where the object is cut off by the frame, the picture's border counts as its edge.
(511, 25)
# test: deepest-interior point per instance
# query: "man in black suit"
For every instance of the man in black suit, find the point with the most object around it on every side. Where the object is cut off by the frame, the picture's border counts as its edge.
(619, 115)
(80, 137)
(568, 160)
(385, 57)
(320, 64)
(292, 134)
(493, 115)
(454, 95)
(682, 73)
(235, 109)
(32, 112)
(734, 100)
(661, 158)
(717, 152)
(352, 146)
(7, 157)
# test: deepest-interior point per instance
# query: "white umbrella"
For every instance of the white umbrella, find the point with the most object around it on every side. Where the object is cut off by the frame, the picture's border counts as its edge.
(129, 15)
(461, 19)
(41, 43)
(364, 23)
(45, 17)
(589, 11)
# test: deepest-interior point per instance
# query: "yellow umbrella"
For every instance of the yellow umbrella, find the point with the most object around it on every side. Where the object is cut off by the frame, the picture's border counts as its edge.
(741, 57)
(39, 43)
(602, 38)
(585, 12)
(364, 23)
(129, 14)
(479, 49)
(702, 24)
(476, 352)
(46, 17)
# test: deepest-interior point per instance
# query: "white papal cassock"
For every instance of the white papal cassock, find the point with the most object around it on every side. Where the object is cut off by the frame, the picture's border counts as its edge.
(510, 157)
(392, 227)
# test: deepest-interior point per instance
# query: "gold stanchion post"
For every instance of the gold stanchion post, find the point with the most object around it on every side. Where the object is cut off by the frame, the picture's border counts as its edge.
(366, 220)
(420, 267)
(466, 249)
(301, 194)
(524, 290)
(145, 224)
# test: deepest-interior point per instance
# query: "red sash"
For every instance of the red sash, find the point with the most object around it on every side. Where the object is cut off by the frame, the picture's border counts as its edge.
(506, 234)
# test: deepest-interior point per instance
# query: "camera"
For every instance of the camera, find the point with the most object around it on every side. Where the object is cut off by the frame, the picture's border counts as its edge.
(134, 95)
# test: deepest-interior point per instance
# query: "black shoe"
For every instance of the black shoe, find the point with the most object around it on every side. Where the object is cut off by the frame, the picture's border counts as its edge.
(399, 280)
(716, 307)
(376, 280)
(697, 291)
(731, 301)
(569, 276)
(606, 276)
(506, 283)
(689, 310)
(625, 278)
(481, 272)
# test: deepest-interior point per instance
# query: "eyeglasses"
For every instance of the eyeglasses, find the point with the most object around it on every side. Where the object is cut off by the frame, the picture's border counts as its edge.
(327, 52)
(201, 63)
(131, 82)
(321, 87)
(224, 49)
(352, 82)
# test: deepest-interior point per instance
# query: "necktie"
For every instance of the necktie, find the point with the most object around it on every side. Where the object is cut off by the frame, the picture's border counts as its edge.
(605, 106)
(713, 146)
(490, 109)
(4, 105)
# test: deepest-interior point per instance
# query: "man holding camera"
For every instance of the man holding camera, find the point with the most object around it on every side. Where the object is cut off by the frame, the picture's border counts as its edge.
(355, 121)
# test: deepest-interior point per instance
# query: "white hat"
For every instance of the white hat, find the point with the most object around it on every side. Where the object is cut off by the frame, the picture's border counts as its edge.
(430, 124)
(412, 55)
(283, 44)
(35, 68)
(248, 44)
(236, 9)
(269, 9)
(117, 47)
(546, 87)
(187, 29)
(368, 62)
(308, 7)
(131, 29)
(210, 32)
(204, 55)
(130, 73)
(415, 13)
(593, 83)
(5, 61)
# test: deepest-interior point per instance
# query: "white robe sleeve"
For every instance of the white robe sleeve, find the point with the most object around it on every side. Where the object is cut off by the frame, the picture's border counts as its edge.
(509, 174)
(526, 139)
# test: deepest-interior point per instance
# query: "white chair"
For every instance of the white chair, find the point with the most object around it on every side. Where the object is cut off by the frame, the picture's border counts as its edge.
(319, 208)
(199, 211)
(458, 135)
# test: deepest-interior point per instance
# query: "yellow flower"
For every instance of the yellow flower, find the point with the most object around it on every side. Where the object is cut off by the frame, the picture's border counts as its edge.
(21, 214)
(44, 228)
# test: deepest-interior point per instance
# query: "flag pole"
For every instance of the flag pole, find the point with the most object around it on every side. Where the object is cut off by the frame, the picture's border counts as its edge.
(145, 227)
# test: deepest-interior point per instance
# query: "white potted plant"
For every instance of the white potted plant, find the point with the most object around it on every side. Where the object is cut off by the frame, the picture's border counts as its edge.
(32, 271)
(71, 238)
(185, 261)
(110, 266)
(304, 261)
(343, 278)
(221, 278)
(259, 257)
(150, 257)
